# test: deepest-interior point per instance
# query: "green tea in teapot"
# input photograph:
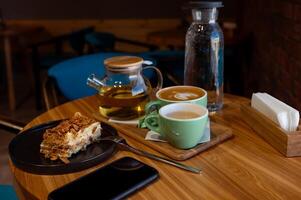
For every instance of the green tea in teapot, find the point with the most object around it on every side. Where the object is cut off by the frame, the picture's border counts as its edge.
(119, 102)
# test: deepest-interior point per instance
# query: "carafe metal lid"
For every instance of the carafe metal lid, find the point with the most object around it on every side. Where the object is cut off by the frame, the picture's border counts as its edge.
(121, 63)
(205, 4)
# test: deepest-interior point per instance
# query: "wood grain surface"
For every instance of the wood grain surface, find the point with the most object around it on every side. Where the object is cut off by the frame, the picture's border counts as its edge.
(245, 167)
(219, 134)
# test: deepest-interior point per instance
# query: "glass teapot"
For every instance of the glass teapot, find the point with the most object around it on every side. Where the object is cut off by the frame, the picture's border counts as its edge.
(124, 91)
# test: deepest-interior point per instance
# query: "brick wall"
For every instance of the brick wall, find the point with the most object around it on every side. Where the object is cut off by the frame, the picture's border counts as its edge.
(276, 48)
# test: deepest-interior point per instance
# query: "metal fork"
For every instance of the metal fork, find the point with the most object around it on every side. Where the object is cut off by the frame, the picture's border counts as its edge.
(121, 142)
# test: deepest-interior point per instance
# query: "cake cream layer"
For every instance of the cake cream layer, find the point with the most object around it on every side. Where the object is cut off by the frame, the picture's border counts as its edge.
(84, 138)
(69, 137)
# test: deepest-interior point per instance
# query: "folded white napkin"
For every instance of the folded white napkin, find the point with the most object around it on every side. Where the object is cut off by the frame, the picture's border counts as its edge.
(154, 136)
(282, 114)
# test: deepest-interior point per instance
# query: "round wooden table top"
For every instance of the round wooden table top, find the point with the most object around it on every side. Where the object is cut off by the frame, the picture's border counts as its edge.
(244, 167)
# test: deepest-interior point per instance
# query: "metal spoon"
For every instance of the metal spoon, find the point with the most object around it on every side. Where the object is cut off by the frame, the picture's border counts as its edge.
(123, 144)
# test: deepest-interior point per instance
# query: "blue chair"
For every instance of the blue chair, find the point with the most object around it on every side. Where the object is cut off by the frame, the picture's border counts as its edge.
(7, 192)
(71, 76)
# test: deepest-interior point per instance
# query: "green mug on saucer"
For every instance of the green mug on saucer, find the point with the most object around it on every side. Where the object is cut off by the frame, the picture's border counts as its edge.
(176, 94)
(181, 124)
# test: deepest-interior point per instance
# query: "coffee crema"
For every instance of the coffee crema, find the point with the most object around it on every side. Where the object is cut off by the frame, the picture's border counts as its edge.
(182, 114)
(181, 93)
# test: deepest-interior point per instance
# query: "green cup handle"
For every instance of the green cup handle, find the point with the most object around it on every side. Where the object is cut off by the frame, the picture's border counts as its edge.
(152, 122)
(149, 106)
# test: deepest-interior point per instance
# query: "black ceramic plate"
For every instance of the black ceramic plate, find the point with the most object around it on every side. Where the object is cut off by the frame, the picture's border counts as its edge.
(24, 151)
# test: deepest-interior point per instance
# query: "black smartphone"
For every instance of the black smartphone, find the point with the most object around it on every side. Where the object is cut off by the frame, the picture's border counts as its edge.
(115, 181)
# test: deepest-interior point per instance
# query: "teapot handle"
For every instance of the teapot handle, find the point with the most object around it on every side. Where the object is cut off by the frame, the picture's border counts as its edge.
(160, 77)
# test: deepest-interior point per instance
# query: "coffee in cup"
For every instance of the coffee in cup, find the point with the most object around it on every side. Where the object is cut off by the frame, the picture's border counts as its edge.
(180, 93)
(181, 124)
(176, 94)
(182, 114)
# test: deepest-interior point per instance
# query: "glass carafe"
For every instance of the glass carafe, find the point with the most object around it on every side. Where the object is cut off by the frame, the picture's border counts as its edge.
(124, 91)
(204, 52)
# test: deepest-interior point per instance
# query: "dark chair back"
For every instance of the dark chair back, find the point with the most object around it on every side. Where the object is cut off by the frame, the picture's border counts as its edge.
(77, 39)
(11, 125)
(101, 41)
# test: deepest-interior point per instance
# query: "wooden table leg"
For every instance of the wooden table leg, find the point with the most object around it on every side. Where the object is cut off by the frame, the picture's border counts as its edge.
(9, 74)
(21, 192)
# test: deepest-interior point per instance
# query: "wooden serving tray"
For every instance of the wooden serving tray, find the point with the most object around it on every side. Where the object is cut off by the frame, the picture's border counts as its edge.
(288, 143)
(219, 134)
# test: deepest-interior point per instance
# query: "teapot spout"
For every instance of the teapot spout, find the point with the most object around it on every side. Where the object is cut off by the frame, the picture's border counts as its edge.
(94, 82)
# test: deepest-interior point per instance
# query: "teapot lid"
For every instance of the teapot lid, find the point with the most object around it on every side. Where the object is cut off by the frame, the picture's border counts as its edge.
(122, 63)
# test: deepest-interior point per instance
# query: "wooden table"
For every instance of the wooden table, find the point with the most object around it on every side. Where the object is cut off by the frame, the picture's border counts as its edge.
(7, 34)
(172, 38)
(175, 38)
(245, 167)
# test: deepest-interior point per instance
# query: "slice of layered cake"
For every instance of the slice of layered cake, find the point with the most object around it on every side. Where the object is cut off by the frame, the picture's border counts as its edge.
(69, 137)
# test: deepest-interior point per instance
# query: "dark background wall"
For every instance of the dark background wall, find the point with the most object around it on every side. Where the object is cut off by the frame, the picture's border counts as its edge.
(100, 9)
(275, 63)
(276, 60)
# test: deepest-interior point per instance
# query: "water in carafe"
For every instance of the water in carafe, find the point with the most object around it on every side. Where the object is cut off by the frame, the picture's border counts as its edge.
(204, 50)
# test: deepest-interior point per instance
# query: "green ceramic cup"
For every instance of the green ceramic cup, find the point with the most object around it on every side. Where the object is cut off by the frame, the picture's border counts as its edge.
(181, 124)
(176, 94)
